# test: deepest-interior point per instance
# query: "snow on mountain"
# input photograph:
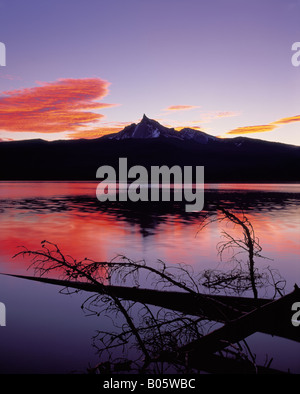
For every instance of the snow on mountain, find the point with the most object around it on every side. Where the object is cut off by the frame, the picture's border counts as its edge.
(149, 128)
(196, 135)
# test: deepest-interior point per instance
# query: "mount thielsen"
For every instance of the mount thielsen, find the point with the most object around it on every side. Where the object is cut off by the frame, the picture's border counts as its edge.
(149, 143)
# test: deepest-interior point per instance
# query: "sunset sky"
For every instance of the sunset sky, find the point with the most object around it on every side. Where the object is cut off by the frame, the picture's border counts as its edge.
(81, 69)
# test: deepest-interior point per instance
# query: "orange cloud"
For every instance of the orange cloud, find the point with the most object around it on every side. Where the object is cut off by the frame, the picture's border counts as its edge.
(94, 133)
(290, 119)
(64, 105)
(181, 107)
(252, 129)
(264, 128)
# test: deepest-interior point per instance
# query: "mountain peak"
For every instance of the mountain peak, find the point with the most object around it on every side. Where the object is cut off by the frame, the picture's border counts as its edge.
(150, 128)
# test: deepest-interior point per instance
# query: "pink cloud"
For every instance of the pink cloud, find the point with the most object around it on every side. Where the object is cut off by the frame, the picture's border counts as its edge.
(64, 105)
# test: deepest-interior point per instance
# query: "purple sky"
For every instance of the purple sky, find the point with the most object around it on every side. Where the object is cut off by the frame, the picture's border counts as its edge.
(222, 66)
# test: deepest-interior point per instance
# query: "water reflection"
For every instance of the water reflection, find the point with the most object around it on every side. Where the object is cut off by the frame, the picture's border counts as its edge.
(69, 214)
(65, 196)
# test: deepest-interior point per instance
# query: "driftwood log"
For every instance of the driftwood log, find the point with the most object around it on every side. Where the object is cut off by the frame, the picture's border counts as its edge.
(241, 316)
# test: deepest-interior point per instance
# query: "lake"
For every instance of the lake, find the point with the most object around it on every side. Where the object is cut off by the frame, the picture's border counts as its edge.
(47, 332)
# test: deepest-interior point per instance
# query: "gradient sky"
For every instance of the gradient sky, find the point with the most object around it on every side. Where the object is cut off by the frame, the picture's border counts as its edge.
(83, 68)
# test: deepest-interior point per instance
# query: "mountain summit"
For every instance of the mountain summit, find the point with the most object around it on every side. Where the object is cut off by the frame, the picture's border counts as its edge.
(150, 128)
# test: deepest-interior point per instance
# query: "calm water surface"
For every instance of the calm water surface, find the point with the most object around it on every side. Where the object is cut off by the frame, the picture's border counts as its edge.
(47, 332)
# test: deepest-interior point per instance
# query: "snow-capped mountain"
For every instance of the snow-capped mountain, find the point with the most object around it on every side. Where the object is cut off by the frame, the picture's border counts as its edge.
(196, 135)
(147, 144)
(149, 128)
